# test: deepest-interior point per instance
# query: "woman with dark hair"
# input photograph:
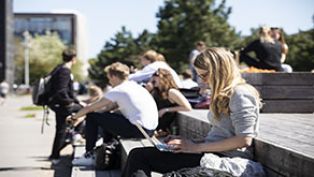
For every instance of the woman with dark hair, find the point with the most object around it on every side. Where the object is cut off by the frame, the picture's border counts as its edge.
(277, 34)
(233, 113)
(168, 98)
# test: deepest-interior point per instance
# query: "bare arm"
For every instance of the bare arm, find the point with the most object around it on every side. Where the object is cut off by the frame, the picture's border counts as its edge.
(103, 104)
(175, 96)
(183, 145)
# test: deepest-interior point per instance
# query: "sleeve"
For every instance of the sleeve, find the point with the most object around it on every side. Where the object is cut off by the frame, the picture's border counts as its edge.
(244, 113)
(112, 95)
(249, 48)
(143, 75)
(63, 79)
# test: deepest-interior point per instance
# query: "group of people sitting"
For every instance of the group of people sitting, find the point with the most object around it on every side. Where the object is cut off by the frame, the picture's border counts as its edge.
(233, 112)
(270, 51)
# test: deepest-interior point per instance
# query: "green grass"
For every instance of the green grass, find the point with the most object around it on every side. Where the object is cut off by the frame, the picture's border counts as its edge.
(31, 115)
(31, 108)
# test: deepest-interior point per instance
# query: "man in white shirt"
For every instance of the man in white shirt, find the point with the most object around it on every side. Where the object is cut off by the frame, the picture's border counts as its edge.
(135, 103)
(151, 62)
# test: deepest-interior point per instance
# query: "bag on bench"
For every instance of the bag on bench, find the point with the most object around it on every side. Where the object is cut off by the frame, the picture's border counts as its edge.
(108, 156)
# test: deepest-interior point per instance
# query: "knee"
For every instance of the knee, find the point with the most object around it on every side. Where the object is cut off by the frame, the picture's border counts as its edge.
(136, 154)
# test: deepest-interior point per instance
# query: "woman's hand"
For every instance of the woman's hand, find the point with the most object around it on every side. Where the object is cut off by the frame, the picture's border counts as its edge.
(180, 145)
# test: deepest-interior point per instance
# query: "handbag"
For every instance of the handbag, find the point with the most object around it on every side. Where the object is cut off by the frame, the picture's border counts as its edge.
(108, 156)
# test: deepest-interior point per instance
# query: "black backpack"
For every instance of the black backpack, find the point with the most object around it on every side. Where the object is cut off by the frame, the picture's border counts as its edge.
(42, 93)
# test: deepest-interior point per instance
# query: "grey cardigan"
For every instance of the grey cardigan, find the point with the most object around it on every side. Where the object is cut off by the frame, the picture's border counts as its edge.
(243, 120)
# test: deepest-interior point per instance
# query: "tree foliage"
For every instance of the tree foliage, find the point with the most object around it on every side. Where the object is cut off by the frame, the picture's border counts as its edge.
(301, 50)
(123, 48)
(181, 23)
(44, 54)
(184, 22)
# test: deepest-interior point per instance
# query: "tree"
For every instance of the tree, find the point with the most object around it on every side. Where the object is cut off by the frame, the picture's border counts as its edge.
(301, 50)
(184, 22)
(45, 53)
(122, 48)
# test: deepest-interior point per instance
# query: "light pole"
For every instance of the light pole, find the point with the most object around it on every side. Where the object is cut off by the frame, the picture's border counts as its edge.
(27, 38)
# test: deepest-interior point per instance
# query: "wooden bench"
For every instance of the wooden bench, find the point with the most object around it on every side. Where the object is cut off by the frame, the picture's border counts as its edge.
(129, 144)
(284, 92)
(285, 144)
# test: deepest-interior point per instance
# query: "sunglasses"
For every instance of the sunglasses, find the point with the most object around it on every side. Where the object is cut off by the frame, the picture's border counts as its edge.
(156, 74)
(204, 75)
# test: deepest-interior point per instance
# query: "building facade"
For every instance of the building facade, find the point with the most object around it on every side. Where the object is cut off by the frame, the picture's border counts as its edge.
(6, 41)
(40, 23)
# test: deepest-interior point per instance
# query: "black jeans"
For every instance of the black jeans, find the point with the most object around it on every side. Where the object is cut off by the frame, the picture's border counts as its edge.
(112, 125)
(62, 112)
(142, 161)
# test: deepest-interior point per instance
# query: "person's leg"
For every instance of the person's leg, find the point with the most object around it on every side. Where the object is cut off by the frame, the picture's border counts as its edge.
(60, 134)
(142, 161)
(165, 121)
(116, 124)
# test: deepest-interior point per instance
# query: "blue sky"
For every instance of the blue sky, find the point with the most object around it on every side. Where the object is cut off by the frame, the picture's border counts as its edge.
(104, 18)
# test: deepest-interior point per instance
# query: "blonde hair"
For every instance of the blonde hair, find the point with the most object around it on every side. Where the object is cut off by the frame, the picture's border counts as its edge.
(265, 35)
(95, 91)
(119, 70)
(166, 82)
(223, 76)
(151, 56)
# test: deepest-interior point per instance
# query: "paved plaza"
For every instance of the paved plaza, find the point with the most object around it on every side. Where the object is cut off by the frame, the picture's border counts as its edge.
(23, 149)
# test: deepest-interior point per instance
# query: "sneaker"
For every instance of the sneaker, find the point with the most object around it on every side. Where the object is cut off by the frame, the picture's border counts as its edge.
(88, 159)
(78, 140)
(55, 161)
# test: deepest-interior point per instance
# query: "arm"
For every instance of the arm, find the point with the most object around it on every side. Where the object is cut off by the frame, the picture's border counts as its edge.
(142, 75)
(62, 81)
(103, 104)
(177, 97)
(243, 116)
(184, 145)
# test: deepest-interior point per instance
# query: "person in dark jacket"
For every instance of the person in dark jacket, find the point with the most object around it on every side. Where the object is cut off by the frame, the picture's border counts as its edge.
(62, 101)
(267, 52)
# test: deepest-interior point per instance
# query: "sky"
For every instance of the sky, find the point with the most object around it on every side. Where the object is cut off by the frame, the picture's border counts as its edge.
(104, 18)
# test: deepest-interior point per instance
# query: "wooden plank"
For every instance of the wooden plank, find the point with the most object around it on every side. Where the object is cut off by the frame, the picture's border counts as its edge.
(288, 106)
(110, 173)
(126, 146)
(282, 79)
(286, 92)
(282, 160)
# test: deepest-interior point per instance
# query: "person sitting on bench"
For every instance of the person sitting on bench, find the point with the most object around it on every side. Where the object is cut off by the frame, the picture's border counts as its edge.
(135, 103)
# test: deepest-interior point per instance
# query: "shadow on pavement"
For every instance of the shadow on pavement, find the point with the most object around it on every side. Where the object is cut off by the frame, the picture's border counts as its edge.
(64, 167)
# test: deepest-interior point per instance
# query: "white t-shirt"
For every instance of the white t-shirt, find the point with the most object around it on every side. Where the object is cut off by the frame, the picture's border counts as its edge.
(147, 72)
(189, 83)
(135, 103)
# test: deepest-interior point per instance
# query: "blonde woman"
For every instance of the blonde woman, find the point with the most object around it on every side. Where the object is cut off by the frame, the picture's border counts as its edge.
(267, 52)
(168, 98)
(233, 114)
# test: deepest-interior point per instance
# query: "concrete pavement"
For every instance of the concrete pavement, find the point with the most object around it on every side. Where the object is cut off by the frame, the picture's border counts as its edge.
(23, 149)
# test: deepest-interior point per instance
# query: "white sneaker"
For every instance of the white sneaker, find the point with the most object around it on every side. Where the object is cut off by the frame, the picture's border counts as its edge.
(87, 159)
(78, 140)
